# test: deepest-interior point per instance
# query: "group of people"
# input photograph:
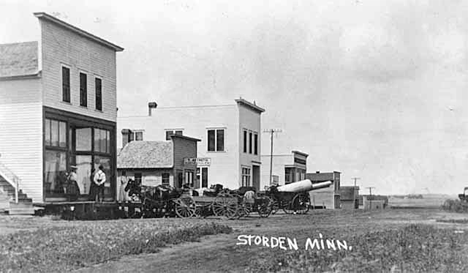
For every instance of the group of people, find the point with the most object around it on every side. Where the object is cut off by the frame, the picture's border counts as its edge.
(96, 191)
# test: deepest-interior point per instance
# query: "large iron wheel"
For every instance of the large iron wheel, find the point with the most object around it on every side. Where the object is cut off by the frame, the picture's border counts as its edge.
(301, 203)
(275, 205)
(264, 206)
(226, 205)
(184, 207)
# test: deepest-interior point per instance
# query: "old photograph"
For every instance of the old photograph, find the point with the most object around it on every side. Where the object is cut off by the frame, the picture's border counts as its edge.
(233, 136)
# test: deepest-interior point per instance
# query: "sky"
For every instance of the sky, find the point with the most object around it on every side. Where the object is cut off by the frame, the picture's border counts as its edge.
(374, 89)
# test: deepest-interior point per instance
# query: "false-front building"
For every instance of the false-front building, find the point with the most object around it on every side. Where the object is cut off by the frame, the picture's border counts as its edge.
(229, 150)
(57, 109)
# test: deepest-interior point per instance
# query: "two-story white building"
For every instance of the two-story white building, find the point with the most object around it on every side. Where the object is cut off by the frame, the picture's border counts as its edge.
(57, 109)
(229, 151)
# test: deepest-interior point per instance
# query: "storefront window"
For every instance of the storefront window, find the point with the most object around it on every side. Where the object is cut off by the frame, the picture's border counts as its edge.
(55, 172)
(101, 141)
(83, 139)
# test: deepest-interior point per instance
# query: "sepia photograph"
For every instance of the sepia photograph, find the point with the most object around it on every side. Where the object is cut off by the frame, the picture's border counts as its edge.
(233, 136)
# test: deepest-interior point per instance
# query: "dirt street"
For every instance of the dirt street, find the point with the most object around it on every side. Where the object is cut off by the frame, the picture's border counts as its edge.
(219, 253)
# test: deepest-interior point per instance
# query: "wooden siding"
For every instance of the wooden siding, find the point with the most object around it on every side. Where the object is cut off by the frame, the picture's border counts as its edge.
(64, 47)
(251, 121)
(183, 148)
(21, 133)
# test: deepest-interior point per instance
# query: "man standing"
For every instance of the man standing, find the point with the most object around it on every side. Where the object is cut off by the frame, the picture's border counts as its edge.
(99, 180)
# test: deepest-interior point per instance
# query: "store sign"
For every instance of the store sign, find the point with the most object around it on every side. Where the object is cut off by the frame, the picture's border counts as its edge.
(199, 161)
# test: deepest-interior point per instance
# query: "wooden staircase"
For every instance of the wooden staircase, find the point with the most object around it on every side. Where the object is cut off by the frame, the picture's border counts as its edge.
(8, 202)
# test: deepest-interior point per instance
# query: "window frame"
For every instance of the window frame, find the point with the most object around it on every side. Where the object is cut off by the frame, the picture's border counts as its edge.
(216, 146)
(246, 176)
(172, 132)
(255, 143)
(98, 93)
(49, 145)
(66, 87)
(245, 141)
(138, 133)
(164, 178)
(250, 141)
(83, 88)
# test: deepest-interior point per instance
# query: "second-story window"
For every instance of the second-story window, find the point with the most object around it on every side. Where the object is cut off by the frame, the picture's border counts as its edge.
(245, 141)
(250, 142)
(83, 90)
(170, 133)
(98, 84)
(255, 143)
(216, 140)
(65, 84)
(139, 136)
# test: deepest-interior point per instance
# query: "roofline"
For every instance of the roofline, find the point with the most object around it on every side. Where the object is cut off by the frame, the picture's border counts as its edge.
(186, 137)
(21, 77)
(45, 16)
(250, 105)
(300, 153)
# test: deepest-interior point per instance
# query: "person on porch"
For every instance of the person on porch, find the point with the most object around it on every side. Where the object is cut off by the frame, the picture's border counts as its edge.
(72, 191)
(99, 180)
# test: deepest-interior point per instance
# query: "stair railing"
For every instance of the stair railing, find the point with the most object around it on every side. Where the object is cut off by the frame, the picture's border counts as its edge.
(11, 178)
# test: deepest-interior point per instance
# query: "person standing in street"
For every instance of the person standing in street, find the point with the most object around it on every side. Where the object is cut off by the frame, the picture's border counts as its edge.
(99, 180)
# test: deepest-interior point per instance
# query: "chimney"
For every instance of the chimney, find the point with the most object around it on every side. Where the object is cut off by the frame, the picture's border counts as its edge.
(151, 105)
(317, 172)
(125, 137)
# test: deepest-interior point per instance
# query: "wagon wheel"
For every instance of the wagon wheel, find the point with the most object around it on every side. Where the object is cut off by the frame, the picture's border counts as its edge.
(264, 206)
(202, 211)
(226, 205)
(301, 203)
(244, 209)
(184, 207)
(288, 207)
(274, 205)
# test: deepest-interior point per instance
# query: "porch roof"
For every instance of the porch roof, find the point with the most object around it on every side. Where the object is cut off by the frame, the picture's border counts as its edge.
(146, 155)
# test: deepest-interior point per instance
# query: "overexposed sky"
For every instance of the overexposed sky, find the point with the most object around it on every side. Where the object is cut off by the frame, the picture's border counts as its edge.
(375, 89)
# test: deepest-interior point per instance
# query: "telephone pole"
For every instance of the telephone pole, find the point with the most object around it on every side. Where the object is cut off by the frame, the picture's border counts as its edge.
(370, 197)
(271, 132)
(354, 192)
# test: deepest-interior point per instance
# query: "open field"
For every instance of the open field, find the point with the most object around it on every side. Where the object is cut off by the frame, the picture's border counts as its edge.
(398, 240)
(428, 201)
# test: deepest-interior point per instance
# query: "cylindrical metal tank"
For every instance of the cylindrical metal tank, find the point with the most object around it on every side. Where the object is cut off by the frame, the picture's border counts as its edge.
(303, 185)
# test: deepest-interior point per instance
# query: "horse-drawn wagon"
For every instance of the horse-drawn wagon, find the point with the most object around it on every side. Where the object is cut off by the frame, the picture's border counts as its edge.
(164, 200)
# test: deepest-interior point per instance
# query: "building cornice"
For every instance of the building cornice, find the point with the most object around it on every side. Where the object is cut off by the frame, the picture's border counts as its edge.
(52, 19)
(250, 105)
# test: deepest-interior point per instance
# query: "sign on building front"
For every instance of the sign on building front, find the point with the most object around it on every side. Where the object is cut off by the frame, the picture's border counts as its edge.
(198, 161)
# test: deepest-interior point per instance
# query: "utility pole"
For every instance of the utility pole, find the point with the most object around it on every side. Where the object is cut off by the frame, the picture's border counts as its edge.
(370, 197)
(271, 132)
(354, 192)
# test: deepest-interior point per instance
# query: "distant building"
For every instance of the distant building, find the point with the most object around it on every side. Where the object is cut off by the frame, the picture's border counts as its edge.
(229, 150)
(373, 201)
(327, 198)
(57, 109)
(287, 168)
(349, 197)
(160, 162)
